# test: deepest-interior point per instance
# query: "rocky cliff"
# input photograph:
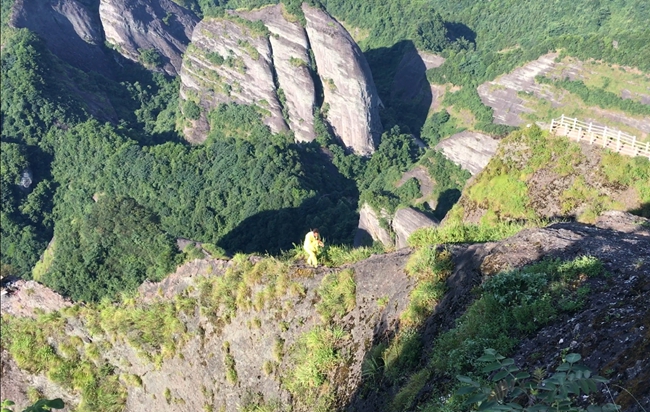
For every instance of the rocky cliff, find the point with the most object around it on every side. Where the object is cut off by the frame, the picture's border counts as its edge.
(263, 58)
(292, 64)
(137, 26)
(230, 60)
(350, 95)
(234, 334)
(470, 150)
(71, 29)
(391, 231)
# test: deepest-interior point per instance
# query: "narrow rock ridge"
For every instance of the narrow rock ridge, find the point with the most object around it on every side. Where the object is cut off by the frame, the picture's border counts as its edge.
(229, 62)
(351, 99)
(291, 60)
(135, 25)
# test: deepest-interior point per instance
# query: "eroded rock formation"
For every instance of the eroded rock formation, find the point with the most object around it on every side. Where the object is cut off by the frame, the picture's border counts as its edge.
(71, 30)
(369, 225)
(350, 93)
(407, 221)
(134, 26)
(230, 61)
(235, 59)
(292, 65)
(470, 150)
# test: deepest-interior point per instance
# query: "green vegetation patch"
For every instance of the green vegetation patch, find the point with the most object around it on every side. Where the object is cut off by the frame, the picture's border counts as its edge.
(316, 356)
(37, 346)
(338, 295)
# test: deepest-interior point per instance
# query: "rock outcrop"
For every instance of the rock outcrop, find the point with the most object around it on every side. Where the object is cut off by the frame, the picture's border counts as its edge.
(264, 58)
(134, 26)
(350, 92)
(369, 226)
(292, 66)
(230, 61)
(470, 150)
(70, 28)
(609, 328)
(407, 221)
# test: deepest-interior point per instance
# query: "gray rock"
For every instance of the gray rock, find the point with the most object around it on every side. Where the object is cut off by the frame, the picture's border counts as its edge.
(470, 150)
(348, 86)
(291, 61)
(369, 224)
(407, 221)
(244, 76)
(132, 25)
(71, 30)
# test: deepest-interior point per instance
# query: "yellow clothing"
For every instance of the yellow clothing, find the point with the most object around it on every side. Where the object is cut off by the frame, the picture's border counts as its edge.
(311, 247)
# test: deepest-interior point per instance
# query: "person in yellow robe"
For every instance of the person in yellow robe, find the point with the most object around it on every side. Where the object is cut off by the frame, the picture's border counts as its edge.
(312, 243)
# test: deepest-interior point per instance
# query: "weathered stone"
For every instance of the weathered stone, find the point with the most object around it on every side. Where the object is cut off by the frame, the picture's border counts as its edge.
(71, 30)
(407, 221)
(291, 61)
(229, 62)
(135, 25)
(470, 150)
(350, 92)
(369, 225)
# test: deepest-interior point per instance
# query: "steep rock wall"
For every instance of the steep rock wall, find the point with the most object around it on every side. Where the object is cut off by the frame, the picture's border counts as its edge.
(71, 30)
(134, 25)
(470, 150)
(291, 60)
(407, 221)
(229, 62)
(349, 89)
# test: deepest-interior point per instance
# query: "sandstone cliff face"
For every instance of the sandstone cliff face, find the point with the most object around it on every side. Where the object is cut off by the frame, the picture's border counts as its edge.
(407, 221)
(230, 62)
(291, 60)
(71, 29)
(369, 226)
(134, 25)
(347, 81)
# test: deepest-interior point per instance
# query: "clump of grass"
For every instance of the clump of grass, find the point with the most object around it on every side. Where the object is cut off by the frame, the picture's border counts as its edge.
(382, 302)
(168, 395)
(338, 295)
(338, 255)
(268, 367)
(464, 233)
(229, 363)
(278, 349)
(316, 354)
(514, 304)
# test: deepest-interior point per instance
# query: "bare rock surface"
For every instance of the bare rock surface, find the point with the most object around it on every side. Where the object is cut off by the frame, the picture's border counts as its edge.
(369, 225)
(135, 25)
(291, 60)
(347, 81)
(407, 221)
(230, 62)
(426, 184)
(27, 298)
(501, 94)
(71, 29)
(470, 150)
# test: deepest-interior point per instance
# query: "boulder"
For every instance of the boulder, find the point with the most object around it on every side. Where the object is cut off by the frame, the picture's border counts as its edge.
(351, 99)
(369, 226)
(292, 66)
(136, 25)
(227, 62)
(407, 221)
(470, 150)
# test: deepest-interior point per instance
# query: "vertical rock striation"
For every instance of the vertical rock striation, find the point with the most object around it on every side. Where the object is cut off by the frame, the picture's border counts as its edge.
(291, 61)
(350, 93)
(135, 25)
(227, 62)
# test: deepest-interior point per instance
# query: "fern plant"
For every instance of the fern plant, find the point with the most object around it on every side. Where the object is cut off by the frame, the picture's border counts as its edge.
(512, 389)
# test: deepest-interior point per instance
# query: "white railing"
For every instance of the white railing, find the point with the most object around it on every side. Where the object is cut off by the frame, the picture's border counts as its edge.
(602, 135)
